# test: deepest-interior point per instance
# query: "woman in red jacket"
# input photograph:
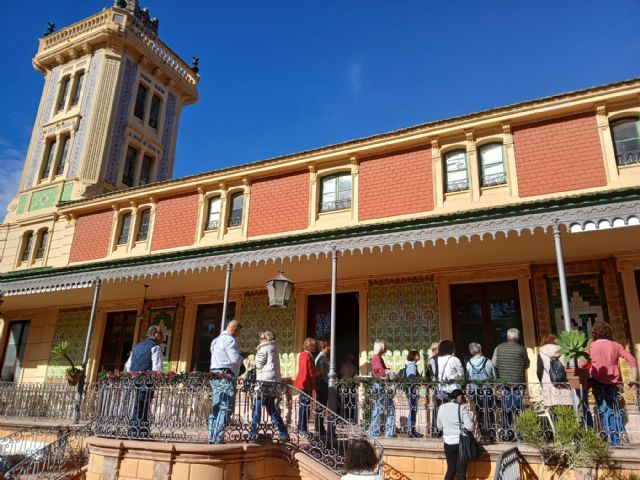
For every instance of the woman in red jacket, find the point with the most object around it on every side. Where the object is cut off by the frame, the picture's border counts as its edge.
(306, 381)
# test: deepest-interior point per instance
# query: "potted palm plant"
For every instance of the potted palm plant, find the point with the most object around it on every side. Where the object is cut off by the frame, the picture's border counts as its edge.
(61, 352)
(574, 346)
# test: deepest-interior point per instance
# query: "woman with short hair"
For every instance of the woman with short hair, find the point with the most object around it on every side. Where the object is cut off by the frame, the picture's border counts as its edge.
(306, 381)
(382, 393)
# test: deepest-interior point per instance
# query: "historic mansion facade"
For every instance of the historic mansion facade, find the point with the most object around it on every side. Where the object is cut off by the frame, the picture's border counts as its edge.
(441, 230)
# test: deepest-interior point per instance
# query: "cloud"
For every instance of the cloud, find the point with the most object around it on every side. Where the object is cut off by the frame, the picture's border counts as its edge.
(354, 74)
(11, 162)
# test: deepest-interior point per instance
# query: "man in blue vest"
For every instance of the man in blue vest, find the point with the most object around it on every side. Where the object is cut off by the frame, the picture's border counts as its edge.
(145, 357)
(226, 360)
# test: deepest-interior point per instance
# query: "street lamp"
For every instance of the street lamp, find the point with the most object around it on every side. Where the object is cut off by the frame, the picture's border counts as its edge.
(279, 289)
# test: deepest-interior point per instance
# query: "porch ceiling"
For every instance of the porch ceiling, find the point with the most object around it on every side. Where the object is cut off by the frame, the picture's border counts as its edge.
(520, 222)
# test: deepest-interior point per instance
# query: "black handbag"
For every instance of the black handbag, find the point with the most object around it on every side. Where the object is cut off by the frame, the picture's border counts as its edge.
(469, 449)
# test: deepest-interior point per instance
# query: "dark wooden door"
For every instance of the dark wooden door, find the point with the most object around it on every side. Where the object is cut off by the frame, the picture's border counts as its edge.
(207, 328)
(15, 346)
(118, 340)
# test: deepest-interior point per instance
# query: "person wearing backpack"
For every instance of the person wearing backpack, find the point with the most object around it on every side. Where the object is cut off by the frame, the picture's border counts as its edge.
(481, 373)
(412, 377)
(552, 374)
(448, 373)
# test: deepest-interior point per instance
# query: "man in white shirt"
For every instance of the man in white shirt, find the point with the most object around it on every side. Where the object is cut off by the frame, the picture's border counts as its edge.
(226, 360)
(145, 357)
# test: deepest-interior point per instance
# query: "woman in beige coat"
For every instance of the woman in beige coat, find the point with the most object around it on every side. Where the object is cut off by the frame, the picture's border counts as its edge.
(553, 394)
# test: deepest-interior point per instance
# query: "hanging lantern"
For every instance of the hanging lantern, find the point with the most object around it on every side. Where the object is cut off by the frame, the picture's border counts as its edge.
(279, 290)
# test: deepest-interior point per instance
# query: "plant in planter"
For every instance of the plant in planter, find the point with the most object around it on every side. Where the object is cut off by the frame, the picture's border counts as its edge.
(572, 448)
(573, 347)
(61, 352)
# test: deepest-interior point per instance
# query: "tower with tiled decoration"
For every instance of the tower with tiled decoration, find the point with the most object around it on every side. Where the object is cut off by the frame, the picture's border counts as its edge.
(107, 120)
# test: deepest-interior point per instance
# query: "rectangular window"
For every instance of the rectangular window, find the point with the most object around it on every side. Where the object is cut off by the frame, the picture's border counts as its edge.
(43, 238)
(125, 226)
(154, 112)
(63, 155)
(207, 328)
(129, 172)
(77, 89)
(145, 170)
(492, 165)
(143, 226)
(14, 350)
(64, 92)
(117, 340)
(235, 213)
(213, 215)
(456, 174)
(48, 158)
(27, 240)
(141, 102)
(335, 192)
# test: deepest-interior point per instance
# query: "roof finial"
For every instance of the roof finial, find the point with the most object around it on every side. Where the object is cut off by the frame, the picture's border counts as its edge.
(194, 64)
(50, 29)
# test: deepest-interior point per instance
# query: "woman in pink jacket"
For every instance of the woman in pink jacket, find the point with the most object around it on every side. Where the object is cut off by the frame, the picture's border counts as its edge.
(606, 380)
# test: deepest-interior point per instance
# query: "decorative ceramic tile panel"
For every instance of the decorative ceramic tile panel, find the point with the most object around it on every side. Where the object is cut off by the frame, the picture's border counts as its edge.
(66, 192)
(167, 131)
(71, 326)
(403, 313)
(34, 161)
(85, 106)
(257, 317)
(45, 198)
(23, 202)
(120, 122)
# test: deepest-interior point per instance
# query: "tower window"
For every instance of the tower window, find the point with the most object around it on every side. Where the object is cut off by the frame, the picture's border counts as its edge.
(456, 173)
(48, 159)
(213, 217)
(27, 240)
(43, 239)
(63, 155)
(64, 92)
(145, 170)
(125, 226)
(626, 140)
(335, 192)
(154, 112)
(143, 225)
(235, 213)
(492, 165)
(130, 166)
(77, 88)
(141, 101)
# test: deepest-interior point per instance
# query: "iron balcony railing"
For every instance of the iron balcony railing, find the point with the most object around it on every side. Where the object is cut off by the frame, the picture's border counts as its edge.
(176, 408)
(457, 185)
(335, 205)
(51, 401)
(628, 158)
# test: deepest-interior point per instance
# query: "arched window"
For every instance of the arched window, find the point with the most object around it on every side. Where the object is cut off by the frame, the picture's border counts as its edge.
(335, 192)
(235, 211)
(25, 251)
(64, 154)
(77, 88)
(41, 246)
(154, 111)
(626, 140)
(125, 226)
(456, 173)
(492, 165)
(49, 155)
(141, 101)
(213, 214)
(143, 225)
(64, 92)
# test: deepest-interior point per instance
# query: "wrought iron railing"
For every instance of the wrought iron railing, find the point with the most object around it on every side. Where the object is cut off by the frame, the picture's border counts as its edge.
(335, 205)
(628, 158)
(508, 465)
(235, 220)
(413, 407)
(494, 179)
(51, 401)
(457, 185)
(176, 408)
(62, 458)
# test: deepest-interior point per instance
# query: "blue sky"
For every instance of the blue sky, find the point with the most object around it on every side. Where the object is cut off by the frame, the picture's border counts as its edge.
(283, 76)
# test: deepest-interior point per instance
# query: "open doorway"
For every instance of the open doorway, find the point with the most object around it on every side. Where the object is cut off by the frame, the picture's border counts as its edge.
(347, 325)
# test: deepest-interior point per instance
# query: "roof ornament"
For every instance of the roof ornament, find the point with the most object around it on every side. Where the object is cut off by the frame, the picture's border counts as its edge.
(121, 3)
(51, 27)
(194, 64)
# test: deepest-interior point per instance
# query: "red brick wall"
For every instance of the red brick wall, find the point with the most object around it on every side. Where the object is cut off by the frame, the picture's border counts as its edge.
(559, 155)
(91, 236)
(279, 204)
(396, 184)
(175, 222)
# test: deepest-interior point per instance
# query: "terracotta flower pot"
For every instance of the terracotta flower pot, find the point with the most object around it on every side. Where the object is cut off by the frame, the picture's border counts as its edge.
(578, 377)
(73, 378)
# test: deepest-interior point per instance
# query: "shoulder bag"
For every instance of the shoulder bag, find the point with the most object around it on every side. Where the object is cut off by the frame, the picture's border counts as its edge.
(468, 450)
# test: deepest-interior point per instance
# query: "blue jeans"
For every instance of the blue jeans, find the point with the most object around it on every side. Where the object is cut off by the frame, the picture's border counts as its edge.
(413, 395)
(269, 403)
(383, 401)
(611, 418)
(512, 399)
(223, 399)
(303, 412)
